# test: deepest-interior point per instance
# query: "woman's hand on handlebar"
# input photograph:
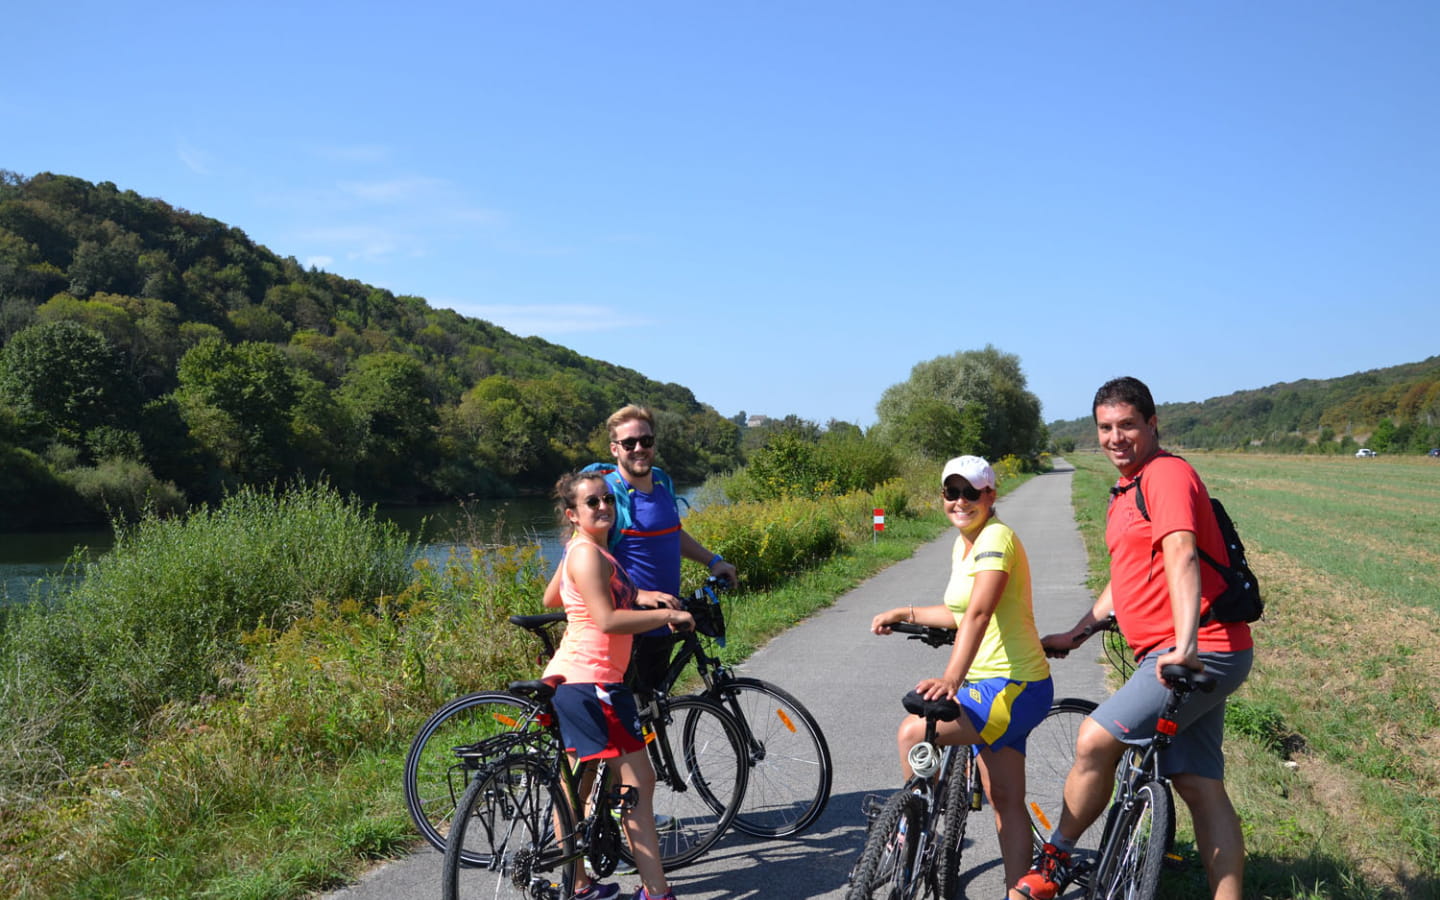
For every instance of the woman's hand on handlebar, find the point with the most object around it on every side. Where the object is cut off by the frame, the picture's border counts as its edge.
(680, 621)
(882, 621)
(656, 600)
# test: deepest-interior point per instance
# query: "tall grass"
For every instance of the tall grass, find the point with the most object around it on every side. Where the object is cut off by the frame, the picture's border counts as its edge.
(1334, 742)
(154, 627)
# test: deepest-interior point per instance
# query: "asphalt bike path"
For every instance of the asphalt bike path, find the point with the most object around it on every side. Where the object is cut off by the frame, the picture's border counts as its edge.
(852, 681)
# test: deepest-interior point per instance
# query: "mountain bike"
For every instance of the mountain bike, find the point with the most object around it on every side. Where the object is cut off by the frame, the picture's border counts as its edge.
(522, 813)
(1140, 826)
(698, 750)
(790, 770)
(917, 835)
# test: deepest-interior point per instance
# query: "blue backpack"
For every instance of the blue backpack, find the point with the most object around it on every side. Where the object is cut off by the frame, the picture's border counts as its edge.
(624, 504)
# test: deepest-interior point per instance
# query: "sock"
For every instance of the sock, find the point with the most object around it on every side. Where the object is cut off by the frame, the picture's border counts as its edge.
(1060, 843)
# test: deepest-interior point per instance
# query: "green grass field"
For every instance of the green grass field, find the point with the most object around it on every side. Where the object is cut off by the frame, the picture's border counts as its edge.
(1334, 743)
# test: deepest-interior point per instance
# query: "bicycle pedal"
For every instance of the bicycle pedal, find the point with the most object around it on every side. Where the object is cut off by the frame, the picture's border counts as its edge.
(622, 798)
(870, 806)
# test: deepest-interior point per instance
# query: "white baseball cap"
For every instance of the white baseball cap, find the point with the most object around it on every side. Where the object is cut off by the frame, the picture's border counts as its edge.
(971, 468)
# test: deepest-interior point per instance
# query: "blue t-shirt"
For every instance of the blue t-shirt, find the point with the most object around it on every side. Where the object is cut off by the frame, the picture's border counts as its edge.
(650, 548)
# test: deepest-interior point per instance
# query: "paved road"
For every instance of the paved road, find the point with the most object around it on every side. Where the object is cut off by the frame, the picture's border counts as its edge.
(853, 681)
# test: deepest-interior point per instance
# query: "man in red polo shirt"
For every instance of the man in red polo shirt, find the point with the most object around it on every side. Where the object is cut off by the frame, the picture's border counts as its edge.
(1159, 593)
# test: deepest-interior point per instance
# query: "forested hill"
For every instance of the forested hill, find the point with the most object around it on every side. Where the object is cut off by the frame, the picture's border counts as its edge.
(1392, 410)
(149, 351)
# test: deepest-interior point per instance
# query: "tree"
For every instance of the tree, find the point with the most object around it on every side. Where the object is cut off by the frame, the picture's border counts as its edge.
(65, 379)
(237, 402)
(984, 388)
(388, 398)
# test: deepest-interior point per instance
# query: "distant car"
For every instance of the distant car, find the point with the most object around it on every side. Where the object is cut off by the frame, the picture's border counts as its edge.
(1435, 451)
(1364, 453)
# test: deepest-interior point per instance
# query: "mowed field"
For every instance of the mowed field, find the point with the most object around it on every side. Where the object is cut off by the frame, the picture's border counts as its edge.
(1334, 743)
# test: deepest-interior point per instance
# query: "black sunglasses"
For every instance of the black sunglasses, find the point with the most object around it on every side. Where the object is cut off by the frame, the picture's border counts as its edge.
(598, 500)
(645, 440)
(952, 493)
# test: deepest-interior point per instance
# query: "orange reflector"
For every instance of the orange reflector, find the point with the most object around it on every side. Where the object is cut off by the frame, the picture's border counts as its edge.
(786, 719)
(507, 721)
(1040, 816)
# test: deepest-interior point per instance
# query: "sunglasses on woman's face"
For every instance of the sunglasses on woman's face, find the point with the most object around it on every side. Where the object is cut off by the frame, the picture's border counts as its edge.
(645, 440)
(598, 500)
(953, 492)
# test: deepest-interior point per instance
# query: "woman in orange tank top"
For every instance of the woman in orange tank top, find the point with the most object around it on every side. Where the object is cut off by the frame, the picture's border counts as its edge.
(597, 714)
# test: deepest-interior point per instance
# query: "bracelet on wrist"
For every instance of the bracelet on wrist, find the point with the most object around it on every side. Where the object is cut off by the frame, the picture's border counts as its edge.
(713, 560)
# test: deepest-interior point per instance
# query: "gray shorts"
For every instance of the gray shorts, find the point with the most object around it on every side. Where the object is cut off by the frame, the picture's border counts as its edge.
(1130, 713)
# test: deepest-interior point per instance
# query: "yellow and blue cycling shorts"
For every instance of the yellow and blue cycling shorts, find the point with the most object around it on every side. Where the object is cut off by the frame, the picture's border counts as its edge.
(1004, 711)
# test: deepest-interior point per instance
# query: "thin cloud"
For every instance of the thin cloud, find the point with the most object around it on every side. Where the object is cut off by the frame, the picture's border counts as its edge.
(194, 159)
(319, 262)
(394, 190)
(360, 241)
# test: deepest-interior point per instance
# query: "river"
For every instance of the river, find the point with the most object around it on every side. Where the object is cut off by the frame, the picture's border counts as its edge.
(36, 560)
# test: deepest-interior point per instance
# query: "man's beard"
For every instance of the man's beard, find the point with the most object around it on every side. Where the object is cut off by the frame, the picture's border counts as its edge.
(635, 468)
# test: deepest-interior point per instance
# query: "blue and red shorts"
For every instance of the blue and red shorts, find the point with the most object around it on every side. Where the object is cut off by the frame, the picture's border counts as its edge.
(598, 721)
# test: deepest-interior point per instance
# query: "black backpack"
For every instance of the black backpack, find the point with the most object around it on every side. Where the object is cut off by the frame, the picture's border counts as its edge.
(1241, 601)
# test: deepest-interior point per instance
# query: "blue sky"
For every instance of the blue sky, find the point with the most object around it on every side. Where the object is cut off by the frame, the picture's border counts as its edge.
(784, 206)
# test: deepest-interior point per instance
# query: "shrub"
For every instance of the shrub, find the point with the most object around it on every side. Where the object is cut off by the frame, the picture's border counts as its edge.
(160, 617)
(125, 488)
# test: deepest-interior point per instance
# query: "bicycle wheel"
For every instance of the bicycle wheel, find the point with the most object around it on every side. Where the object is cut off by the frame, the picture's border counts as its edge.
(437, 767)
(887, 864)
(790, 768)
(961, 777)
(1129, 866)
(511, 815)
(698, 754)
(1049, 754)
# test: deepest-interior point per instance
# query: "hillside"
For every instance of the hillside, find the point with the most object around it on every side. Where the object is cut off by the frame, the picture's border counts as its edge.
(153, 355)
(1392, 410)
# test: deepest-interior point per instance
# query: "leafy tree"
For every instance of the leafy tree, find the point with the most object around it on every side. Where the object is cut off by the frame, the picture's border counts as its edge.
(66, 379)
(237, 401)
(388, 398)
(986, 381)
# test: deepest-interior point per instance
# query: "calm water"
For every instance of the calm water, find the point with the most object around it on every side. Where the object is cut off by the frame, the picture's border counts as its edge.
(37, 559)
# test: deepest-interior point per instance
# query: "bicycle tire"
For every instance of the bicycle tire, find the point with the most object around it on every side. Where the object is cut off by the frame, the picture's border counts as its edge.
(1129, 865)
(435, 776)
(1049, 754)
(513, 814)
(960, 773)
(886, 870)
(703, 748)
(790, 767)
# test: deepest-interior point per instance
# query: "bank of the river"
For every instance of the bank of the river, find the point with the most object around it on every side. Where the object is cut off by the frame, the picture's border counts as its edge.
(31, 560)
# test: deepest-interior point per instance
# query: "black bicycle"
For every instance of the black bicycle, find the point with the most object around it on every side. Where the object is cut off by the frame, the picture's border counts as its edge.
(698, 750)
(917, 835)
(1140, 826)
(790, 771)
(524, 815)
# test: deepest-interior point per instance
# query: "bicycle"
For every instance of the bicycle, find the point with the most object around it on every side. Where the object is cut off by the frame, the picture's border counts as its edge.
(696, 747)
(1140, 825)
(790, 770)
(788, 774)
(917, 836)
(520, 810)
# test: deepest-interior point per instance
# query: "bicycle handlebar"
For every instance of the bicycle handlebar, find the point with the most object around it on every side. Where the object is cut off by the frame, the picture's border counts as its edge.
(935, 637)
